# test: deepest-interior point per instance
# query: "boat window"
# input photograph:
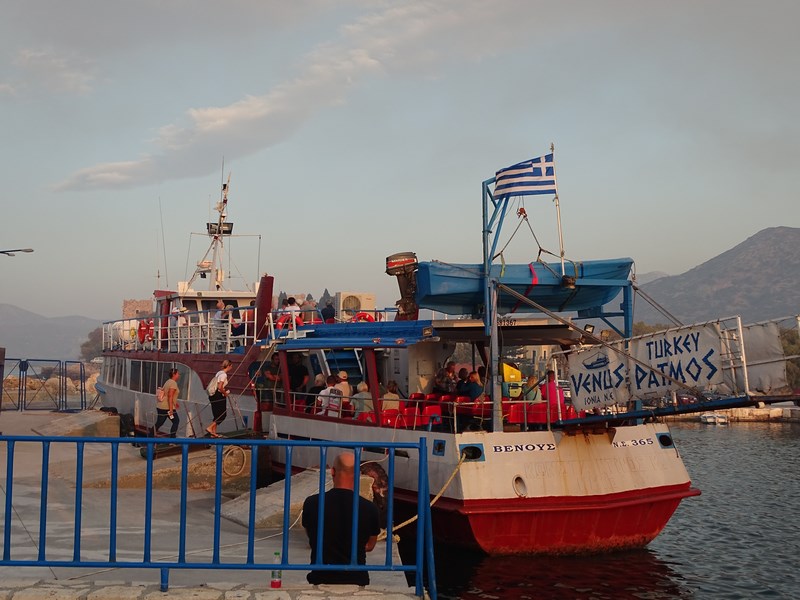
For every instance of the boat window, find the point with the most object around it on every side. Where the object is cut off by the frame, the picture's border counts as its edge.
(136, 375)
(149, 372)
(183, 382)
(163, 373)
(112, 370)
(123, 369)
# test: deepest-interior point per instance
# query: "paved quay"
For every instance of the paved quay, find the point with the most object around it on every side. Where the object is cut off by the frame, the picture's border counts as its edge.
(71, 583)
(43, 589)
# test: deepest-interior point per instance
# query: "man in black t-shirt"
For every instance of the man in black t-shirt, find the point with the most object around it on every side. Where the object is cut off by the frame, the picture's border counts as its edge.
(336, 538)
(328, 313)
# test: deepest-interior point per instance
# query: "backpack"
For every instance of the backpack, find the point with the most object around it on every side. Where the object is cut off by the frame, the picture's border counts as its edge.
(212, 386)
(160, 397)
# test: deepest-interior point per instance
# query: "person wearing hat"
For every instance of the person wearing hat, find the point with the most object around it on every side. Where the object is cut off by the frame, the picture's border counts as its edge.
(344, 385)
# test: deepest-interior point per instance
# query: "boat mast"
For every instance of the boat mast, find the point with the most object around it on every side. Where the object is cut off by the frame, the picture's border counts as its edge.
(216, 232)
(558, 212)
(490, 296)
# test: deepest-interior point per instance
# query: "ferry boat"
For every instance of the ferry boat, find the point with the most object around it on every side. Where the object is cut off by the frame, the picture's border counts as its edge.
(508, 475)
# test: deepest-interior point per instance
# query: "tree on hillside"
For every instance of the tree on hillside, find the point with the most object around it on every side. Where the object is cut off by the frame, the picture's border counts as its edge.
(93, 346)
(791, 347)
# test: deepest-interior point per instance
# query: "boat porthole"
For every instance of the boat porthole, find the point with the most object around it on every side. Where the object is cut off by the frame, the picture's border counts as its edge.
(520, 489)
(472, 452)
(665, 440)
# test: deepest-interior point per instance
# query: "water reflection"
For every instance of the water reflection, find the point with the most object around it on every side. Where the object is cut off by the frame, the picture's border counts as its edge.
(636, 574)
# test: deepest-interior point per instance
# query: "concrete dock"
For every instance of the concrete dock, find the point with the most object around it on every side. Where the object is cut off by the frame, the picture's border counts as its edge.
(34, 583)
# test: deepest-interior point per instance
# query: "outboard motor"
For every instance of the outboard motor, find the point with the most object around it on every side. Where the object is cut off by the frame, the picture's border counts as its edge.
(403, 265)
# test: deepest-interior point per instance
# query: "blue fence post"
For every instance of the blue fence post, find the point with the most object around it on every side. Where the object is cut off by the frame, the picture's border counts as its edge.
(43, 499)
(425, 512)
(422, 500)
(112, 517)
(217, 499)
(9, 494)
(76, 544)
(164, 579)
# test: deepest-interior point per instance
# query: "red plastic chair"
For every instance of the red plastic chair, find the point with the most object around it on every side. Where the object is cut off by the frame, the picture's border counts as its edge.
(414, 419)
(516, 414)
(392, 418)
(433, 414)
(415, 400)
(446, 402)
(431, 399)
(366, 417)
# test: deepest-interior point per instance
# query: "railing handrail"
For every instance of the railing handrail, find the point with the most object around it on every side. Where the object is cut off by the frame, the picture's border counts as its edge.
(424, 532)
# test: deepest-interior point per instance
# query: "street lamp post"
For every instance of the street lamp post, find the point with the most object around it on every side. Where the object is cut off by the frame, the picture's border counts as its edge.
(11, 252)
(3, 350)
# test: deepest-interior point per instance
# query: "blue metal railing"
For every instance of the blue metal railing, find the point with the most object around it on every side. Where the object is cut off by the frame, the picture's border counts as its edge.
(424, 561)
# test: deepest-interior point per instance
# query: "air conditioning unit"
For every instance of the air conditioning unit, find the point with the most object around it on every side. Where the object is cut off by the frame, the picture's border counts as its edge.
(349, 304)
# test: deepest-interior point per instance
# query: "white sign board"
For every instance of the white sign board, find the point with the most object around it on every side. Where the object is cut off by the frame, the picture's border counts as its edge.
(689, 355)
(599, 378)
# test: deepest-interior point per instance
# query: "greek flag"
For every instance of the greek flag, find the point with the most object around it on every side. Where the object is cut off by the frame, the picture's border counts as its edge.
(534, 176)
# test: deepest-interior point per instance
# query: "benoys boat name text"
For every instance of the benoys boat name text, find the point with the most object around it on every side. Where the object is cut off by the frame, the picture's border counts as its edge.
(524, 448)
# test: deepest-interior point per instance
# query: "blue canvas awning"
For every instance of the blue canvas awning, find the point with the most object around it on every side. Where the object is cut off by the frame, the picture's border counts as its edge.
(379, 334)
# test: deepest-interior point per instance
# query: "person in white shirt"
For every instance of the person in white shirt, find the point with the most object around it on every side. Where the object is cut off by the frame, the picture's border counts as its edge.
(329, 401)
(219, 399)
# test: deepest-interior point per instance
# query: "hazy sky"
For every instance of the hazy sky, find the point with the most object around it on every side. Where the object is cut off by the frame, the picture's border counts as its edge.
(356, 129)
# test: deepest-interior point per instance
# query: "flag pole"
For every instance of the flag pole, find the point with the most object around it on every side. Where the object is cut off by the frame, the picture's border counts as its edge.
(558, 211)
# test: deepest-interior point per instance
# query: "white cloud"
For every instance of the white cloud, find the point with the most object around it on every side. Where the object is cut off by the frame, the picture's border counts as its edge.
(8, 89)
(55, 71)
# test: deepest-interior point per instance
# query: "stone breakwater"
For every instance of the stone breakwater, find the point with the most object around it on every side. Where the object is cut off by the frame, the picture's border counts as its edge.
(776, 414)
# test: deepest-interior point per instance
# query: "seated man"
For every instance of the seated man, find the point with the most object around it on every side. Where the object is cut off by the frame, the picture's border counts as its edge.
(337, 534)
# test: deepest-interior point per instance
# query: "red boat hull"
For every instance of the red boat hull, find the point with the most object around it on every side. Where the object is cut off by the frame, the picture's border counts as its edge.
(554, 525)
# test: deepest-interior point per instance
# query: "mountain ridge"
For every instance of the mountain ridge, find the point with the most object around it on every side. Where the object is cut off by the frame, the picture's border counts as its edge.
(756, 279)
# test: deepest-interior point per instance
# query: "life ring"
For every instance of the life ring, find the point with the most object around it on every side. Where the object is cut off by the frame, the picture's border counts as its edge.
(363, 317)
(284, 319)
(145, 331)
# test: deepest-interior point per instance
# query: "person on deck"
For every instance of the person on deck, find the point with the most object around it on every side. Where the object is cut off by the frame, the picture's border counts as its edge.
(344, 385)
(328, 313)
(291, 307)
(550, 390)
(391, 399)
(329, 401)
(274, 379)
(474, 387)
(362, 400)
(463, 380)
(249, 319)
(531, 392)
(319, 384)
(298, 380)
(337, 531)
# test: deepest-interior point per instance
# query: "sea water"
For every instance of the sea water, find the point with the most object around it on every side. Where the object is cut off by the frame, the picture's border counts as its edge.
(739, 539)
